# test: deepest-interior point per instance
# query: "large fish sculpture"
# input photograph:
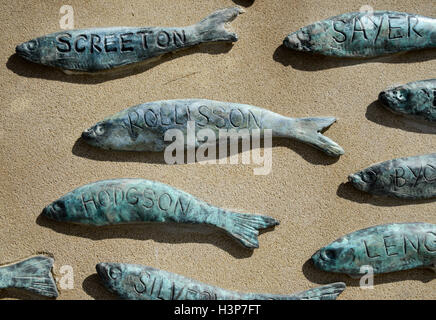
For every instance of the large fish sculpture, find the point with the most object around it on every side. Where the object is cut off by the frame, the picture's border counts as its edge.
(416, 99)
(136, 282)
(412, 178)
(33, 274)
(143, 127)
(98, 49)
(365, 34)
(385, 248)
(125, 201)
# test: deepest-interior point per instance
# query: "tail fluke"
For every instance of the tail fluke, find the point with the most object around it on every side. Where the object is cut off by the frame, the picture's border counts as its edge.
(212, 28)
(33, 274)
(308, 130)
(327, 292)
(245, 227)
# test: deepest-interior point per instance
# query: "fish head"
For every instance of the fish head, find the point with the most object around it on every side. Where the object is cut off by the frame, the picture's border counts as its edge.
(299, 40)
(338, 256)
(396, 99)
(112, 275)
(56, 211)
(30, 50)
(364, 180)
(99, 135)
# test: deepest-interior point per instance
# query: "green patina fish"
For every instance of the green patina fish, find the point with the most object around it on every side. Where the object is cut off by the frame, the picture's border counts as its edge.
(32, 274)
(93, 50)
(124, 201)
(416, 99)
(386, 248)
(365, 34)
(143, 127)
(136, 282)
(412, 178)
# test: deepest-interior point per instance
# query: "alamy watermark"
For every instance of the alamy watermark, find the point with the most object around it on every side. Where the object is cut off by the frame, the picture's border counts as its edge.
(66, 280)
(67, 20)
(201, 146)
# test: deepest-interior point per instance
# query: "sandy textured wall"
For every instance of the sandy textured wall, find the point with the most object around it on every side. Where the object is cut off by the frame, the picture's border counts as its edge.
(43, 113)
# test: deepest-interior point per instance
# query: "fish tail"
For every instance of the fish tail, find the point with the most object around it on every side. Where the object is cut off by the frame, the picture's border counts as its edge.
(34, 274)
(245, 227)
(212, 28)
(327, 292)
(308, 130)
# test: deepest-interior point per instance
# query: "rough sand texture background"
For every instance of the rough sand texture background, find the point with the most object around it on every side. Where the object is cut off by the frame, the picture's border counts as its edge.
(43, 113)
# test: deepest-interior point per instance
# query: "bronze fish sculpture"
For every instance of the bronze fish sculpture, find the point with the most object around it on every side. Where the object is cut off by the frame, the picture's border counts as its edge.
(385, 248)
(411, 178)
(365, 34)
(33, 274)
(122, 201)
(98, 49)
(136, 282)
(143, 127)
(416, 99)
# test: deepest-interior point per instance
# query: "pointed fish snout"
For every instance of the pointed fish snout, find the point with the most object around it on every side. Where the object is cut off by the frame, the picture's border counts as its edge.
(88, 134)
(292, 42)
(382, 97)
(102, 271)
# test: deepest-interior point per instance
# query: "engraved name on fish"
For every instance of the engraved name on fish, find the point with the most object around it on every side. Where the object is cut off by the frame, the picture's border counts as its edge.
(412, 178)
(92, 50)
(33, 274)
(123, 201)
(136, 282)
(386, 248)
(360, 34)
(143, 127)
(416, 99)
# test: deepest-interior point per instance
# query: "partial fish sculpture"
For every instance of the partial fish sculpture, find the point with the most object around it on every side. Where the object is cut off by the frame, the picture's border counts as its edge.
(385, 248)
(33, 274)
(365, 34)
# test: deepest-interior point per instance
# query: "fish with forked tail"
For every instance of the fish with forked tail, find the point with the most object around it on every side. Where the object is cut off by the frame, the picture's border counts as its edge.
(143, 127)
(136, 282)
(33, 274)
(98, 49)
(365, 34)
(385, 248)
(417, 99)
(412, 178)
(124, 201)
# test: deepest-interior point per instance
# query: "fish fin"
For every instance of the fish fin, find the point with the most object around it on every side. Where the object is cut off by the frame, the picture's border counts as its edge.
(245, 227)
(212, 28)
(308, 130)
(34, 274)
(327, 292)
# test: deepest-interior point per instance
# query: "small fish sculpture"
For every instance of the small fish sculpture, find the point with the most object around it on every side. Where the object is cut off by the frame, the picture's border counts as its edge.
(385, 248)
(98, 49)
(143, 127)
(124, 201)
(32, 274)
(136, 282)
(416, 99)
(365, 34)
(412, 178)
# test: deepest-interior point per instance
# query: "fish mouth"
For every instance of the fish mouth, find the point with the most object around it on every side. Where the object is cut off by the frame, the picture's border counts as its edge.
(102, 271)
(88, 134)
(22, 51)
(357, 182)
(383, 98)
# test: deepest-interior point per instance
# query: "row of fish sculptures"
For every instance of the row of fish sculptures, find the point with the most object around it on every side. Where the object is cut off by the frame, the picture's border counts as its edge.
(386, 248)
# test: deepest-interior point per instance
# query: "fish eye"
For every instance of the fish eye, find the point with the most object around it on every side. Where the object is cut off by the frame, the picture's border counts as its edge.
(330, 254)
(114, 273)
(400, 95)
(99, 130)
(369, 176)
(32, 45)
